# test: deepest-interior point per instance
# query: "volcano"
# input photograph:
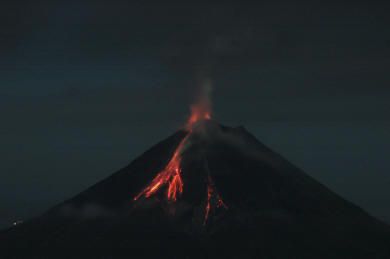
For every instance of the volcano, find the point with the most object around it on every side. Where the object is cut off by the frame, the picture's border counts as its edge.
(207, 191)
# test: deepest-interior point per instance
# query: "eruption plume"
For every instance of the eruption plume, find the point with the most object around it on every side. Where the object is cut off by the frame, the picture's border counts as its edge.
(201, 109)
(171, 175)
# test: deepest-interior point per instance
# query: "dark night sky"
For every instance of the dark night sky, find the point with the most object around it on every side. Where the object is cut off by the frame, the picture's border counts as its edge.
(86, 87)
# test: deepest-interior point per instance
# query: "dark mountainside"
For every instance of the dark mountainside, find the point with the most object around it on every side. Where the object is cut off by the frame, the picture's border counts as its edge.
(271, 209)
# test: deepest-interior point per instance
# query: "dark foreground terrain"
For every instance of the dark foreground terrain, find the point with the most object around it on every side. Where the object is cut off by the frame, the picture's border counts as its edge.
(273, 210)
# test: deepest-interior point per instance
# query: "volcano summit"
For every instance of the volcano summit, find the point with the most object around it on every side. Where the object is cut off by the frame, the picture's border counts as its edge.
(207, 191)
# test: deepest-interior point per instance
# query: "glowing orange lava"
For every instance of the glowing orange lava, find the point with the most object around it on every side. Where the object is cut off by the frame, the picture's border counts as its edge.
(171, 174)
(213, 198)
(171, 177)
(198, 113)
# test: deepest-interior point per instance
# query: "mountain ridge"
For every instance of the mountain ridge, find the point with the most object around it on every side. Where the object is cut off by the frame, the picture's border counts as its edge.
(260, 205)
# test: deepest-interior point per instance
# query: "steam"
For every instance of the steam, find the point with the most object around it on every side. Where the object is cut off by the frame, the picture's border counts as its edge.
(204, 98)
(201, 109)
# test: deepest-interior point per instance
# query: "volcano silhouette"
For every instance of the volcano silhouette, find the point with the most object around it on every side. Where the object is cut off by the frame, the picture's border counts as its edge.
(235, 198)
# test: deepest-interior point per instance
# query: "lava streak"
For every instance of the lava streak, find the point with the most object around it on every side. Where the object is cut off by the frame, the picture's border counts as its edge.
(171, 175)
(214, 200)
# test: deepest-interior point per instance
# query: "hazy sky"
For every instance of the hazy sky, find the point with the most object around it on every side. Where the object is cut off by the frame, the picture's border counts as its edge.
(86, 87)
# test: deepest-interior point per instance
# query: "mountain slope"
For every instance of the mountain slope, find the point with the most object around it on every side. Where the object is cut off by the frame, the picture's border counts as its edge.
(238, 199)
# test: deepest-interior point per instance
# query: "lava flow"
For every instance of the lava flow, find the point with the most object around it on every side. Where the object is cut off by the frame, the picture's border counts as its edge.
(213, 198)
(171, 175)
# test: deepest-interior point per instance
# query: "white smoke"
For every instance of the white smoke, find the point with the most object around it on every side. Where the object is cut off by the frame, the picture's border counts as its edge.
(203, 102)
